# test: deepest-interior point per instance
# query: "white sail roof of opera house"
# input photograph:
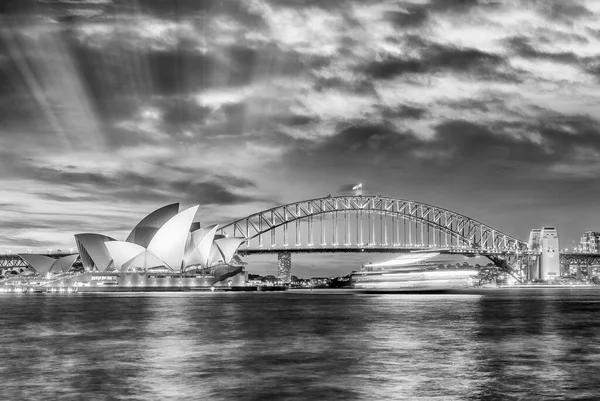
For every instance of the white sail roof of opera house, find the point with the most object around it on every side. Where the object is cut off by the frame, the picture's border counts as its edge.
(145, 261)
(169, 242)
(220, 251)
(93, 251)
(44, 264)
(199, 246)
(63, 264)
(228, 246)
(174, 241)
(122, 252)
(146, 229)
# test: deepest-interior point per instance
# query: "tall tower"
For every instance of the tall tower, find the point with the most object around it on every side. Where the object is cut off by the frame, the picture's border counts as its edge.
(544, 240)
(550, 260)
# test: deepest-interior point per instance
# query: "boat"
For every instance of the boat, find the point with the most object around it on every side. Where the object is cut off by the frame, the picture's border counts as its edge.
(423, 272)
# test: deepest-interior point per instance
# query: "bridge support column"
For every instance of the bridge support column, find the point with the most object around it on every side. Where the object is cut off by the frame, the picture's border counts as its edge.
(284, 267)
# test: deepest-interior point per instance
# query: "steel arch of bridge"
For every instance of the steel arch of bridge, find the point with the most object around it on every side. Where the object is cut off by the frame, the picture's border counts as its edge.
(465, 231)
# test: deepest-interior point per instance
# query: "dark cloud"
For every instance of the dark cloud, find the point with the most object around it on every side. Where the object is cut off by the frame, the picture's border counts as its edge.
(594, 68)
(296, 120)
(220, 190)
(132, 68)
(237, 182)
(355, 86)
(463, 5)
(180, 112)
(369, 144)
(332, 5)
(561, 10)
(22, 242)
(49, 223)
(460, 150)
(522, 46)
(10, 8)
(63, 198)
(405, 111)
(74, 177)
(413, 17)
(439, 58)
(175, 71)
(193, 9)
(392, 67)
(483, 104)
(211, 193)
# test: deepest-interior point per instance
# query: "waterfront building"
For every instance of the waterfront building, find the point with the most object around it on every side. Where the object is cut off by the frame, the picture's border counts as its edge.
(547, 266)
(315, 281)
(590, 242)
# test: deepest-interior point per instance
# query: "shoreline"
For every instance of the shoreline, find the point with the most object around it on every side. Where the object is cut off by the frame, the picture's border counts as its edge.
(280, 289)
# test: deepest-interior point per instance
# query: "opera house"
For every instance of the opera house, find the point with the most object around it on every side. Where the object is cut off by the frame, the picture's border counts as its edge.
(167, 250)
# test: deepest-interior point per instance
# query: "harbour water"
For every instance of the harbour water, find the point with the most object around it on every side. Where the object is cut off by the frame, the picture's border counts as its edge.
(538, 344)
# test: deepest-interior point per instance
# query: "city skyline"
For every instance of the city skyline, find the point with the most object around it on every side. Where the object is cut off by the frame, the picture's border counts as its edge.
(486, 108)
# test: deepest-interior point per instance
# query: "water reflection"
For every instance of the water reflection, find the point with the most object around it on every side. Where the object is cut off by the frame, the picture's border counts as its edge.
(506, 345)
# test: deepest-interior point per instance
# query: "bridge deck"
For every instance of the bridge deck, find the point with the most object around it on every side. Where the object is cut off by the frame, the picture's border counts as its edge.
(377, 249)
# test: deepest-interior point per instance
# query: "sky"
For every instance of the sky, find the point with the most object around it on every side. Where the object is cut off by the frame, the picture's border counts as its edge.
(110, 109)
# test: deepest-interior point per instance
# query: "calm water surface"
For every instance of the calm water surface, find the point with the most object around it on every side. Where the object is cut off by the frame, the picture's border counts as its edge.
(525, 345)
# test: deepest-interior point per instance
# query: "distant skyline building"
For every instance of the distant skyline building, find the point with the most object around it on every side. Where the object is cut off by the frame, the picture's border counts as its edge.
(547, 267)
(590, 242)
(284, 267)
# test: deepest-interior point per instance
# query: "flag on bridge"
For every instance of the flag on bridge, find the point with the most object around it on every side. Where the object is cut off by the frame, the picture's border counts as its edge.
(358, 188)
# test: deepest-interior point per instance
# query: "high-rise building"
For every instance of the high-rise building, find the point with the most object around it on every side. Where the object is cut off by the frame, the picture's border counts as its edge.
(284, 267)
(590, 242)
(547, 267)
(534, 239)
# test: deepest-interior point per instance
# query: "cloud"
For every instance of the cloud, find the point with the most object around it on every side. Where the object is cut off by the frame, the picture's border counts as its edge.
(405, 111)
(439, 58)
(221, 189)
(466, 150)
(408, 18)
(236, 105)
(523, 48)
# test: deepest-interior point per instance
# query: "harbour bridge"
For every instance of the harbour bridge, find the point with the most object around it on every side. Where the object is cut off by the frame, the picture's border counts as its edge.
(343, 224)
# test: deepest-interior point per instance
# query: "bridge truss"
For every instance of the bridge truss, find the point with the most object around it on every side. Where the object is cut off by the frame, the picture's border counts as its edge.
(14, 261)
(366, 222)
(581, 264)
